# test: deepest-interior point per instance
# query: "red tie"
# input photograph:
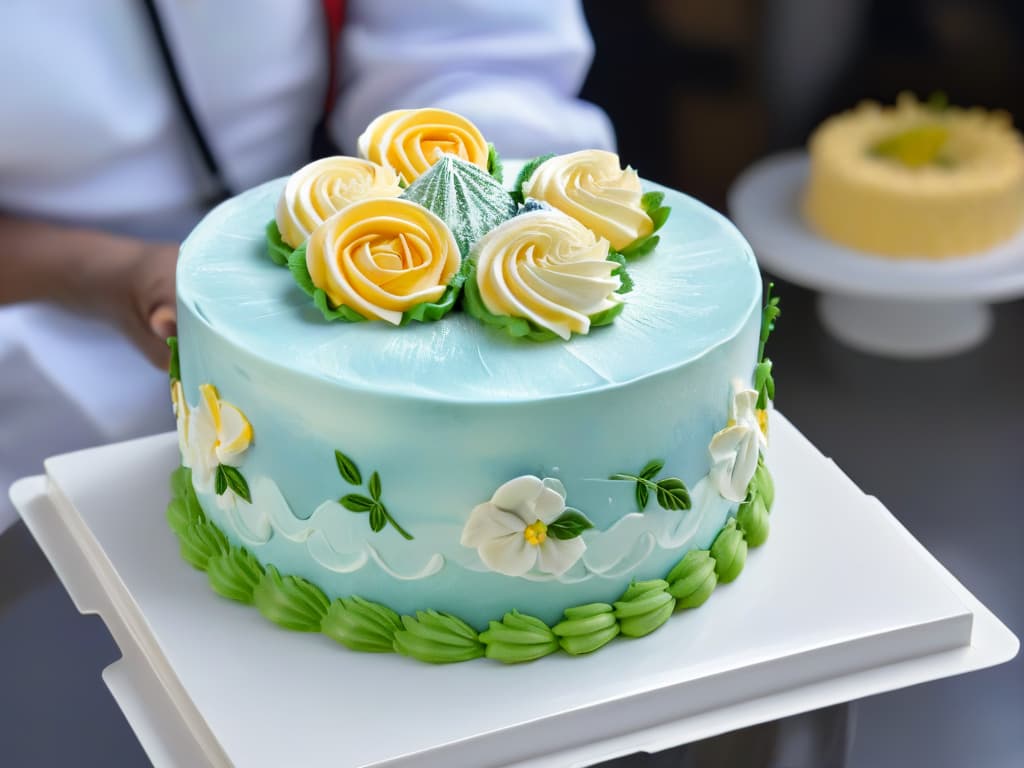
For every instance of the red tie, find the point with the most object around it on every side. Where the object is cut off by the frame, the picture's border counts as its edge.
(334, 15)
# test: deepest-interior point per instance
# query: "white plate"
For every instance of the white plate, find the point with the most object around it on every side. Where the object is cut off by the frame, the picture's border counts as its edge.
(903, 307)
(840, 603)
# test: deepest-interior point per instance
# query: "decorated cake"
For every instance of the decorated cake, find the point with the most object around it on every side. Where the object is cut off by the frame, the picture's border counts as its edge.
(424, 410)
(916, 180)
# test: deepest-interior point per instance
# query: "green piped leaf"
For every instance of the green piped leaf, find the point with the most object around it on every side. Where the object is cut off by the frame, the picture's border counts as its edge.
(641, 246)
(764, 383)
(651, 469)
(752, 519)
(234, 574)
(374, 486)
(423, 312)
(201, 541)
(765, 484)
(516, 327)
(693, 579)
(174, 369)
(277, 249)
(586, 628)
(230, 477)
(651, 202)
(672, 494)
(525, 174)
(494, 165)
(626, 281)
(348, 469)
(518, 638)
(437, 638)
(356, 502)
(378, 518)
(606, 316)
(644, 607)
(361, 625)
(290, 601)
(730, 552)
(569, 525)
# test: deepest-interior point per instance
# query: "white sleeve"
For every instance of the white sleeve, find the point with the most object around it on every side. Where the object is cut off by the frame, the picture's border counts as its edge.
(512, 67)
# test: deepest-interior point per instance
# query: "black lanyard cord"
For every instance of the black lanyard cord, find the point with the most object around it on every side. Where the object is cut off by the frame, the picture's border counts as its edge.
(181, 96)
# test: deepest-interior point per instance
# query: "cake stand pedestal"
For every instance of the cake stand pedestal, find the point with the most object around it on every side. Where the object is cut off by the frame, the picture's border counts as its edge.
(840, 603)
(896, 307)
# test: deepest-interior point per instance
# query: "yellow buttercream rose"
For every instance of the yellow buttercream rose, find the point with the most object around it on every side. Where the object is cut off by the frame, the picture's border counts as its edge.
(591, 187)
(411, 140)
(547, 268)
(321, 188)
(382, 257)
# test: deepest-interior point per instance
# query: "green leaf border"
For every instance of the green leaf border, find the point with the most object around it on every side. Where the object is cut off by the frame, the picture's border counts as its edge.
(174, 367)
(278, 250)
(425, 312)
(434, 637)
(651, 202)
(520, 327)
(525, 173)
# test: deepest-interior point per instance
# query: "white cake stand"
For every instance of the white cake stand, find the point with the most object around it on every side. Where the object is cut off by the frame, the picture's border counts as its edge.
(900, 308)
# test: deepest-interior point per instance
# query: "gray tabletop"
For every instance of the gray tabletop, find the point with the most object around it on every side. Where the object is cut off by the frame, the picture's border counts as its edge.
(941, 443)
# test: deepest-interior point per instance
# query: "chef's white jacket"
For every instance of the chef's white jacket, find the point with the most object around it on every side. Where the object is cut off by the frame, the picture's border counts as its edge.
(90, 133)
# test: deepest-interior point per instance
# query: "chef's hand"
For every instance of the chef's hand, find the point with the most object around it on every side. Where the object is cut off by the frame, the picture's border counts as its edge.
(128, 281)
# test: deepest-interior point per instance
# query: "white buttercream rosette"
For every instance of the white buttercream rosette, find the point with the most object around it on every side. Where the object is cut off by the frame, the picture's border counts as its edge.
(317, 190)
(591, 187)
(548, 269)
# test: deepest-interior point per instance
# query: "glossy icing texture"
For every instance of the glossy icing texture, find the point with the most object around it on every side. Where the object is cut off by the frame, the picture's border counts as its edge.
(700, 288)
(448, 413)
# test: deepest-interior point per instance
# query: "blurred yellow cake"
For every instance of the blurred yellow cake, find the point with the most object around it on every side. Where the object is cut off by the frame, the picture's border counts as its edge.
(916, 180)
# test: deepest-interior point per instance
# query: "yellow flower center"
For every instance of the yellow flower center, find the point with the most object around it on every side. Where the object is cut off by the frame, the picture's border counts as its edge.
(536, 533)
(762, 420)
(915, 147)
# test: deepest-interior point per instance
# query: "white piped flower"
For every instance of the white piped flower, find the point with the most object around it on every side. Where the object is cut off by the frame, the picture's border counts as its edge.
(735, 449)
(181, 419)
(218, 433)
(510, 532)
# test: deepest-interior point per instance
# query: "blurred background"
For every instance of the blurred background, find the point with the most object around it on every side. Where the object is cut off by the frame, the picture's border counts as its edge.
(697, 91)
(702, 89)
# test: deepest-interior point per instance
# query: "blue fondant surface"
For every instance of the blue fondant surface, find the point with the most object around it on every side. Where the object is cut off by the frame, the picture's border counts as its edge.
(447, 412)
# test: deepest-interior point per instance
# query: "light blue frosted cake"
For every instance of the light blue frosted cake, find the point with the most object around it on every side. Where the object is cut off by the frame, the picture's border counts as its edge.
(460, 434)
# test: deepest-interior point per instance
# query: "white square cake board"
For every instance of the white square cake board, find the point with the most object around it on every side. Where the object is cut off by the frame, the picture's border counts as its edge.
(840, 603)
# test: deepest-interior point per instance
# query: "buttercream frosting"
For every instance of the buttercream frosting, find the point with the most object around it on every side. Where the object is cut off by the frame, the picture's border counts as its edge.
(590, 186)
(412, 140)
(548, 269)
(317, 190)
(382, 257)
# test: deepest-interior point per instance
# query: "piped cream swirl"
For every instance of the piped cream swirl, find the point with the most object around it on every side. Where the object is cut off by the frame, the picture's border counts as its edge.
(590, 186)
(411, 140)
(547, 268)
(382, 257)
(317, 190)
